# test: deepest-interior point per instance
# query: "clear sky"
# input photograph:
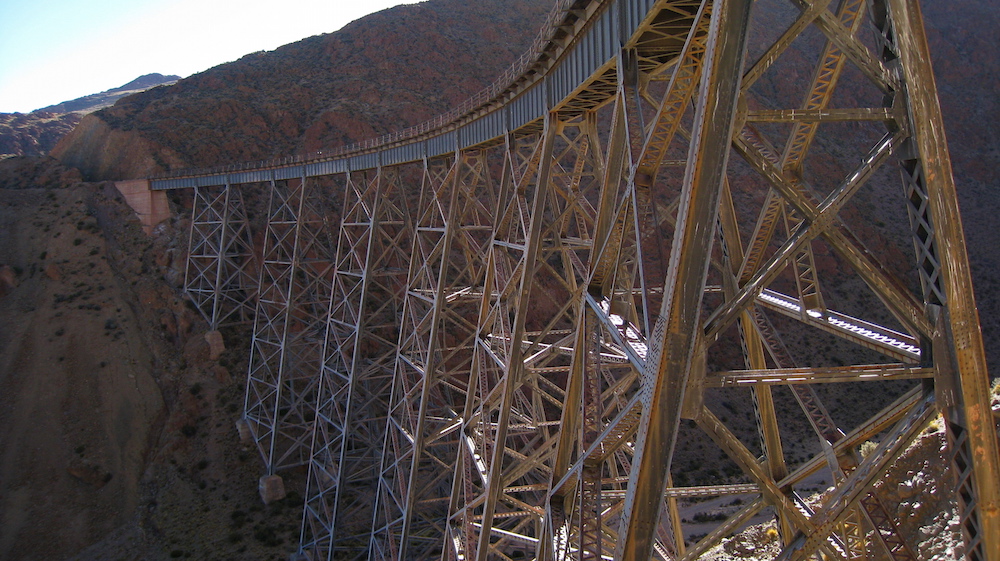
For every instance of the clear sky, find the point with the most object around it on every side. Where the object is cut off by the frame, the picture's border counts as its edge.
(57, 50)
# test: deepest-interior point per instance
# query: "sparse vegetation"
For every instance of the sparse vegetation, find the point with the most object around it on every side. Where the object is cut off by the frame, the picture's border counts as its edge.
(268, 536)
(867, 448)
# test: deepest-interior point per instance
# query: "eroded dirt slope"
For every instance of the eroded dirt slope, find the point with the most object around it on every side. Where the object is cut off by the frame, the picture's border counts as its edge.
(80, 405)
(116, 417)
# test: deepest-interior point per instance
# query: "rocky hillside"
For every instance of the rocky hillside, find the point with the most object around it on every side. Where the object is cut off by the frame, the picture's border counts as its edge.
(81, 359)
(117, 410)
(94, 102)
(35, 133)
(928, 513)
(392, 69)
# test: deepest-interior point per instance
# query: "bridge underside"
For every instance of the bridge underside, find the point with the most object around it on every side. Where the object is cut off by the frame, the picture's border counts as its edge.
(504, 339)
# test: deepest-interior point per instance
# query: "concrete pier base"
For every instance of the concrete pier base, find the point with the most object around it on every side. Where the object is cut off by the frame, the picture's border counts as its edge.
(271, 488)
(150, 206)
(243, 428)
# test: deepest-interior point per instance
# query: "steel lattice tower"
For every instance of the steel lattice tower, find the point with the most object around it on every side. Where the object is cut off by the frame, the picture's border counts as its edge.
(219, 278)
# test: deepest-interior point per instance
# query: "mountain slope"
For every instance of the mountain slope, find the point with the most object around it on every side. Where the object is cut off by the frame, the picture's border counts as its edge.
(36, 133)
(94, 102)
(386, 71)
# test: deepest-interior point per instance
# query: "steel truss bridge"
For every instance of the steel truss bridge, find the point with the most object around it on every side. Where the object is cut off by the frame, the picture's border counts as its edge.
(485, 336)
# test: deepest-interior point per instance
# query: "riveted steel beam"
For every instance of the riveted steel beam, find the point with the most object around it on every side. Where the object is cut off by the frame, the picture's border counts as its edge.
(674, 338)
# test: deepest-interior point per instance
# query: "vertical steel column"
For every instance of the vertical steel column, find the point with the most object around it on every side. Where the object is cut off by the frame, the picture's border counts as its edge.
(563, 527)
(496, 417)
(266, 377)
(344, 320)
(372, 372)
(588, 508)
(673, 341)
(414, 363)
(520, 159)
(616, 308)
(959, 353)
(530, 327)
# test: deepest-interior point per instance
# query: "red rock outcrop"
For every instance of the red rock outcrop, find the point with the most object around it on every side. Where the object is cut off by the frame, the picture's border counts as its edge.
(35, 133)
(97, 150)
